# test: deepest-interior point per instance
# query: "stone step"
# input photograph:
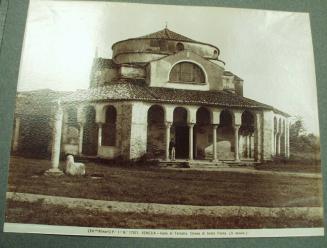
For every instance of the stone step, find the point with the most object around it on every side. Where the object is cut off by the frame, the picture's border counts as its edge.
(175, 164)
(207, 165)
(193, 164)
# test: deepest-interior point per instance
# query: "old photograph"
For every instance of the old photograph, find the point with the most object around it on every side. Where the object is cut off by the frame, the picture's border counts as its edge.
(140, 120)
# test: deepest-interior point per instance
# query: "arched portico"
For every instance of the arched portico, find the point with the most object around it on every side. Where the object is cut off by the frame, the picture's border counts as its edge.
(203, 137)
(226, 140)
(181, 133)
(156, 134)
(247, 131)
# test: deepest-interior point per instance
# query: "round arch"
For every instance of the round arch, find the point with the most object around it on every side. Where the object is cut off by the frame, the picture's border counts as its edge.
(71, 128)
(179, 47)
(90, 132)
(187, 71)
(226, 141)
(246, 137)
(156, 132)
(180, 132)
(203, 137)
(275, 125)
(248, 123)
(109, 129)
(279, 125)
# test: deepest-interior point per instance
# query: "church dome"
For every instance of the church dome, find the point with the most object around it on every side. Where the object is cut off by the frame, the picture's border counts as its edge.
(159, 44)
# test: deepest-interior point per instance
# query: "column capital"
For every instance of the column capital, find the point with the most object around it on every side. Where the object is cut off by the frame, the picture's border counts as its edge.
(191, 124)
(168, 124)
(81, 124)
(237, 126)
(215, 126)
(100, 123)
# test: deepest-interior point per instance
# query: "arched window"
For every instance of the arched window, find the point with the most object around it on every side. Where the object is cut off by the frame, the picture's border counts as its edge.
(186, 72)
(215, 54)
(109, 129)
(179, 46)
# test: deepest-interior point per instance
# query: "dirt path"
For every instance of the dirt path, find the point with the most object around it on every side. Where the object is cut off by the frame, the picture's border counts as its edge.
(312, 213)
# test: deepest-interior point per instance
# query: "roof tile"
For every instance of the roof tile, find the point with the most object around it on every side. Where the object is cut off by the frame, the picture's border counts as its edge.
(127, 90)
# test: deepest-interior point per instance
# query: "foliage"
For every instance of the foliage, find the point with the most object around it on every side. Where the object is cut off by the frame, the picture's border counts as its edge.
(303, 145)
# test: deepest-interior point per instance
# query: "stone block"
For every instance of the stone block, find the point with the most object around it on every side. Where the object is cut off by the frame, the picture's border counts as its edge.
(74, 169)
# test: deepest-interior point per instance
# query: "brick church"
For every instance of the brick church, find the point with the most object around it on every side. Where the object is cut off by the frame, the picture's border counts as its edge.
(155, 88)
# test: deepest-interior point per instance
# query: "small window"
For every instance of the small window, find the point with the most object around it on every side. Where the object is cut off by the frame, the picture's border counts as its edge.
(179, 47)
(187, 72)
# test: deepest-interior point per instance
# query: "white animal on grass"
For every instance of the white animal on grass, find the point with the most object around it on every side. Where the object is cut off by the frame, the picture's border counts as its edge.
(74, 169)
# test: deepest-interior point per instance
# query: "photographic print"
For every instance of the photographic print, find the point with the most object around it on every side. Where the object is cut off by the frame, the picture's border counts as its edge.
(140, 120)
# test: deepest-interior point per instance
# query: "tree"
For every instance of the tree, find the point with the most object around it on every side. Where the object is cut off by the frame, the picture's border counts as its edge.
(302, 144)
(297, 128)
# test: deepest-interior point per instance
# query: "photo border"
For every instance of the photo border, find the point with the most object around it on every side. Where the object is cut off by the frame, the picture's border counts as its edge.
(9, 66)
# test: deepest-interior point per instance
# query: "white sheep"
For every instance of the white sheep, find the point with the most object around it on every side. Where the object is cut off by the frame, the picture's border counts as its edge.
(74, 169)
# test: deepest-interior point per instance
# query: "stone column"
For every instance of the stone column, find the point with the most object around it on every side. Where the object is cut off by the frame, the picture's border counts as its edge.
(258, 134)
(214, 142)
(191, 126)
(100, 124)
(288, 140)
(249, 146)
(80, 142)
(16, 135)
(237, 155)
(285, 140)
(168, 126)
(56, 141)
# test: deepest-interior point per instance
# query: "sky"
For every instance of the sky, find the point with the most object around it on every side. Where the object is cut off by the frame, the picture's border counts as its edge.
(270, 50)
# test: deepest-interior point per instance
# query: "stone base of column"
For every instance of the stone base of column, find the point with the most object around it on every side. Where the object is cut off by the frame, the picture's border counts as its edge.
(54, 172)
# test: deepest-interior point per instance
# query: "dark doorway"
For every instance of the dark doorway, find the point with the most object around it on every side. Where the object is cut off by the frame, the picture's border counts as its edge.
(182, 141)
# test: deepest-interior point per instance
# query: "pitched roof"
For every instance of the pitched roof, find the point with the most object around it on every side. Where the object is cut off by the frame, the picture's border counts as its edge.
(40, 102)
(126, 90)
(166, 34)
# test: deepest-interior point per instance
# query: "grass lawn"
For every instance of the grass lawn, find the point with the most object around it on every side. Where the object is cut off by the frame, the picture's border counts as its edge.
(291, 166)
(145, 184)
(19, 212)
